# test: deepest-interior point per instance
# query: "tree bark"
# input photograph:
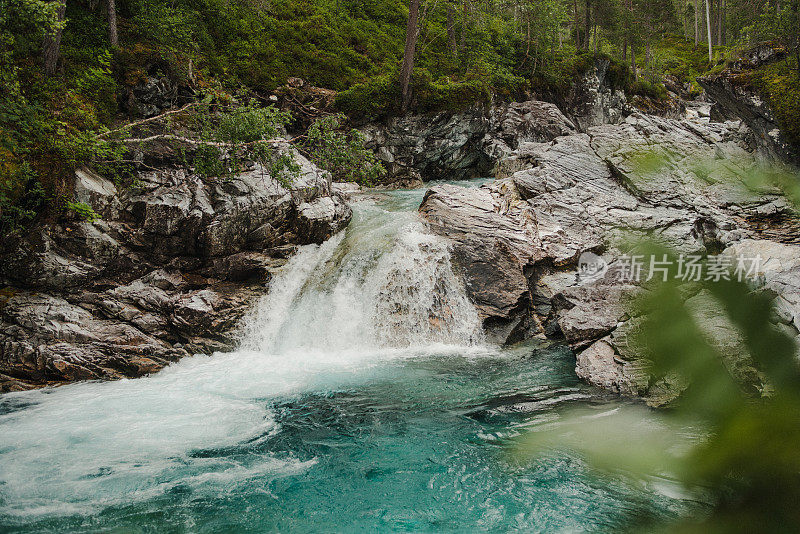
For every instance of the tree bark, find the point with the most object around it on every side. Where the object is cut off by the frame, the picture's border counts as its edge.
(577, 26)
(708, 28)
(625, 49)
(112, 23)
(51, 47)
(633, 64)
(451, 32)
(588, 23)
(696, 24)
(408, 55)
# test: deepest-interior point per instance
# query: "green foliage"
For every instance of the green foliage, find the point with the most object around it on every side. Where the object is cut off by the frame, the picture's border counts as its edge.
(240, 134)
(341, 153)
(97, 85)
(649, 89)
(82, 210)
(568, 66)
(21, 198)
(747, 462)
(679, 58)
(372, 99)
(251, 124)
(747, 457)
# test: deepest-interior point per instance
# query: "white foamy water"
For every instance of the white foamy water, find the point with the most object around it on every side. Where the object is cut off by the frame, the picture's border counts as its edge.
(382, 291)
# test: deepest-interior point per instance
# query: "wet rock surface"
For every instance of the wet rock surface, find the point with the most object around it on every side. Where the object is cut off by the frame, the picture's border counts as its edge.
(683, 184)
(166, 272)
(594, 99)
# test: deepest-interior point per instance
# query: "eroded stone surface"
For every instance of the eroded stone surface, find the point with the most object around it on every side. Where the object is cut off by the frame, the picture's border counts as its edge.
(167, 272)
(680, 183)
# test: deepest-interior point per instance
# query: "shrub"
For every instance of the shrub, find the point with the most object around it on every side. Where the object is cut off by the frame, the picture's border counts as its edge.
(83, 211)
(370, 100)
(342, 153)
(21, 198)
(656, 91)
(779, 84)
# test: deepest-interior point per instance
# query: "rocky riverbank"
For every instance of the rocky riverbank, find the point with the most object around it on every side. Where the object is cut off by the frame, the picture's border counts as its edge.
(174, 262)
(166, 272)
(682, 183)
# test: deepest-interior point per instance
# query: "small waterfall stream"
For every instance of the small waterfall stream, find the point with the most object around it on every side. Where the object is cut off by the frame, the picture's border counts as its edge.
(362, 397)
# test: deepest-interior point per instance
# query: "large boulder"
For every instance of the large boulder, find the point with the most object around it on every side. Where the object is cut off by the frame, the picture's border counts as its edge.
(593, 98)
(491, 250)
(431, 146)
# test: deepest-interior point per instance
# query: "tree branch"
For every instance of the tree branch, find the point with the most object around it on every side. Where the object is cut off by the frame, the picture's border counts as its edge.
(150, 119)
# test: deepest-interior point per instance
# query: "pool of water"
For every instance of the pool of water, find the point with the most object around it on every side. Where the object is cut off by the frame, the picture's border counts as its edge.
(362, 398)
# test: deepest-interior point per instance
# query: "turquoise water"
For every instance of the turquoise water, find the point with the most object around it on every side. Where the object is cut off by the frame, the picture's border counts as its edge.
(359, 401)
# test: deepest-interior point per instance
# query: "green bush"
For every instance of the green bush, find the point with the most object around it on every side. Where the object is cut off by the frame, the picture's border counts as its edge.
(341, 153)
(370, 100)
(21, 198)
(82, 210)
(656, 91)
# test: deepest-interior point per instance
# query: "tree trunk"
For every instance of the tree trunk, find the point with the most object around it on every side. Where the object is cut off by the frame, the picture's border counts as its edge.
(464, 27)
(633, 64)
(595, 39)
(112, 23)
(588, 23)
(51, 47)
(408, 54)
(451, 31)
(577, 27)
(625, 49)
(708, 28)
(696, 24)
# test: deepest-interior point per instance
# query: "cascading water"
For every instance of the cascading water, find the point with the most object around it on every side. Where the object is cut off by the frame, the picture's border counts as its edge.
(362, 397)
(397, 291)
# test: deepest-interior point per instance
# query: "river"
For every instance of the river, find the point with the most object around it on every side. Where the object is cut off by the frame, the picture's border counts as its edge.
(362, 397)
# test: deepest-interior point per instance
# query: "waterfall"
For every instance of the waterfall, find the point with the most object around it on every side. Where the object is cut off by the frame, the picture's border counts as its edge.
(390, 287)
(335, 314)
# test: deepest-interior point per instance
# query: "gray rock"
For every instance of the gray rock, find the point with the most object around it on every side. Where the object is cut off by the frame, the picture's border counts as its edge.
(492, 248)
(517, 240)
(431, 146)
(168, 271)
(461, 145)
(152, 95)
(593, 100)
(96, 191)
(734, 100)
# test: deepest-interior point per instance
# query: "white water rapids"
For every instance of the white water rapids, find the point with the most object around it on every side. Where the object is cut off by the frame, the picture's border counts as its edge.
(383, 290)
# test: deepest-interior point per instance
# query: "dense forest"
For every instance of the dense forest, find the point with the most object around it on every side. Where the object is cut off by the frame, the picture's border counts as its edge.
(68, 66)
